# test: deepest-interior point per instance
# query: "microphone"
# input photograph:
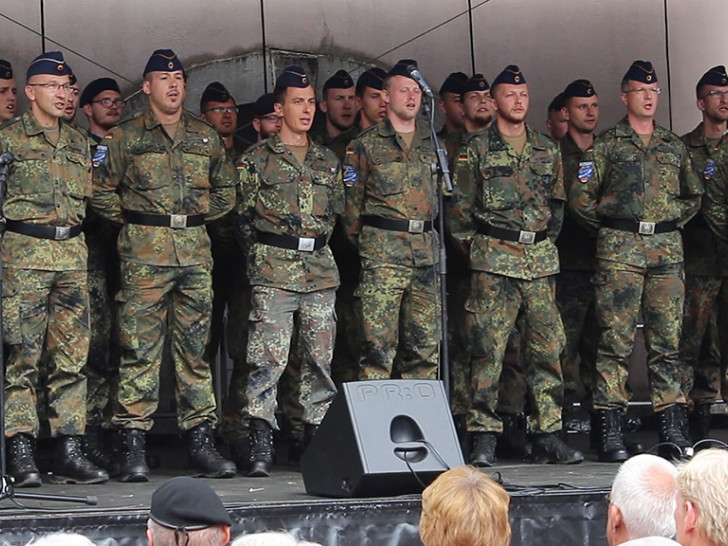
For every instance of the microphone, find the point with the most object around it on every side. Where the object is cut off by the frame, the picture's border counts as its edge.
(416, 75)
(6, 158)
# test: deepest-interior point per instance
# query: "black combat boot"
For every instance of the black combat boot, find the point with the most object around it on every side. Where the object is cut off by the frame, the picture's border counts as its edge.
(513, 443)
(21, 464)
(133, 456)
(203, 455)
(483, 452)
(550, 448)
(699, 424)
(295, 451)
(608, 436)
(671, 423)
(261, 448)
(95, 449)
(240, 453)
(70, 465)
(309, 431)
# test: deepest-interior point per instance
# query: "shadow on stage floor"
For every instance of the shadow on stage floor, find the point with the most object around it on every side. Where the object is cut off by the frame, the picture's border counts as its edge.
(550, 505)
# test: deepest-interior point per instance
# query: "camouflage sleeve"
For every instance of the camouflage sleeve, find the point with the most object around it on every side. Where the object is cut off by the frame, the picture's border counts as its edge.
(247, 195)
(583, 195)
(109, 168)
(556, 200)
(222, 184)
(356, 172)
(691, 188)
(339, 197)
(461, 204)
(715, 206)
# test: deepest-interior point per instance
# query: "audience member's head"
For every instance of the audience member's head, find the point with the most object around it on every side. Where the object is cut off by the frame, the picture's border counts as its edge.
(464, 507)
(269, 538)
(702, 502)
(61, 539)
(642, 500)
(188, 508)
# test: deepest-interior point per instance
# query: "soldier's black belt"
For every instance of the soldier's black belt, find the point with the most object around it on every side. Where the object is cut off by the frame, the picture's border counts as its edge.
(176, 221)
(643, 228)
(516, 235)
(305, 244)
(410, 226)
(57, 233)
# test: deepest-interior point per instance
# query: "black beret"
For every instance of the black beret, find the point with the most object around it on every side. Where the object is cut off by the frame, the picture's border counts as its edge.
(187, 503)
(511, 74)
(51, 62)
(98, 86)
(557, 103)
(476, 83)
(293, 76)
(340, 80)
(215, 92)
(6, 70)
(264, 105)
(579, 88)
(641, 71)
(715, 76)
(374, 78)
(163, 60)
(401, 68)
(454, 83)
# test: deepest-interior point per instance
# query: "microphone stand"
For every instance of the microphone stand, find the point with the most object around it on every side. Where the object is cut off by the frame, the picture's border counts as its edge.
(442, 169)
(7, 491)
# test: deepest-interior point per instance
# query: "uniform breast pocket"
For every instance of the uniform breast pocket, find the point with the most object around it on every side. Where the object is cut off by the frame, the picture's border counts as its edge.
(279, 193)
(388, 174)
(669, 171)
(30, 173)
(499, 188)
(78, 181)
(324, 179)
(197, 153)
(151, 166)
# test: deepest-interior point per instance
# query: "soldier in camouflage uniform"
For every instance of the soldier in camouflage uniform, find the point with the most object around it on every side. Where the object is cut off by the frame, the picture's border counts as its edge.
(102, 104)
(451, 92)
(391, 205)
(509, 219)
(163, 174)
(291, 192)
(370, 97)
(577, 250)
(636, 189)
(556, 120)
(230, 288)
(45, 295)
(704, 243)
(8, 92)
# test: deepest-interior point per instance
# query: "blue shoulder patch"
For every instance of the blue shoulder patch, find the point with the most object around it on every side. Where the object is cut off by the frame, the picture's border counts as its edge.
(710, 168)
(100, 155)
(350, 176)
(586, 171)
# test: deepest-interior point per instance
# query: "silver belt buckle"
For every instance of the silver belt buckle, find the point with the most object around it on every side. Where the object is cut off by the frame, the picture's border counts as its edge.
(526, 237)
(416, 226)
(178, 221)
(647, 228)
(306, 244)
(62, 233)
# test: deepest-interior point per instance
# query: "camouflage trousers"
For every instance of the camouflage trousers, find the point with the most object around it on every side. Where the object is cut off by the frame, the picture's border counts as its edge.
(493, 311)
(512, 385)
(620, 295)
(575, 300)
(156, 302)
(706, 307)
(458, 288)
(102, 365)
(347, 350)
(45, 310)
(270, 331)
(400, 318)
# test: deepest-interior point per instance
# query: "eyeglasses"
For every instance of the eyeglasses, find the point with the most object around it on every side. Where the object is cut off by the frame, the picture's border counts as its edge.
(273, 118)
(108, 103)
(651, 90)
(223, 110)
(717, 93)
(52, 87)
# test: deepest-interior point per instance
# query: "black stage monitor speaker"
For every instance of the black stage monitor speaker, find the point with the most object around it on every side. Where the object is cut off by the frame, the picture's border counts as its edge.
(377, 435)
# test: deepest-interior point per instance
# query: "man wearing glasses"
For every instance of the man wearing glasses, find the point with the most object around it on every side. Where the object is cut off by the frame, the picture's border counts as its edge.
(636, 188)
(705, 238)
(102, 105)
(45, 294)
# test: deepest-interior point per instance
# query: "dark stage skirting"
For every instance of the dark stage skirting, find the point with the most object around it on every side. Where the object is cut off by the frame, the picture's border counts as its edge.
(543, 517)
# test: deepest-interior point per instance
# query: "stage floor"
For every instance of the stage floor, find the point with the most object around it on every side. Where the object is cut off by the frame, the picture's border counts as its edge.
(538, 491)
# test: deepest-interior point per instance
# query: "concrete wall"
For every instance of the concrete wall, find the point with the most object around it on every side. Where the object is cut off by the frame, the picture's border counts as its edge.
(553, 41)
